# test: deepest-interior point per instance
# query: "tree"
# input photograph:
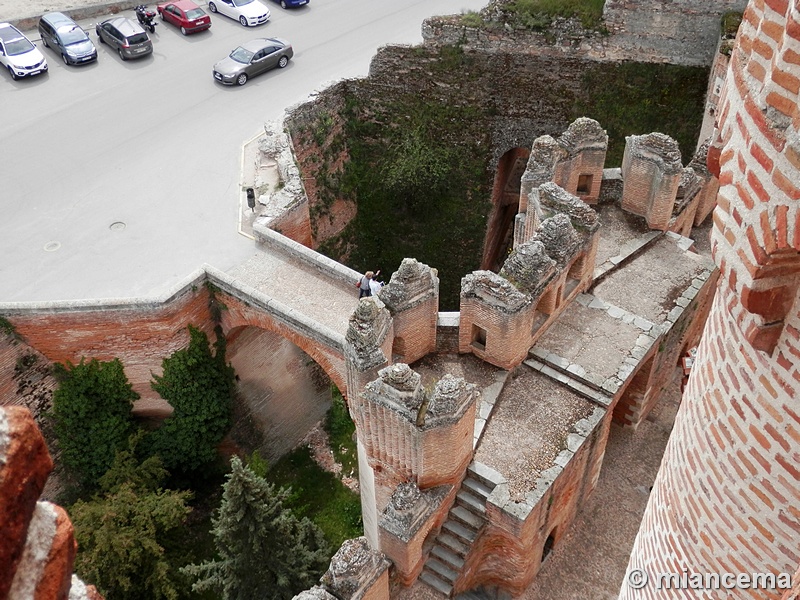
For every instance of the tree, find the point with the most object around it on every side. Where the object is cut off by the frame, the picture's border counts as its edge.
(264, 550)
(121, 533)
(199, 385)
(92, 416)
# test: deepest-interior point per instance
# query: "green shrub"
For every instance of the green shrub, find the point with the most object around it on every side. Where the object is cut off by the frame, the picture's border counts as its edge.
(121, 533)
(538, 14)
(92, 416)
(199, 385)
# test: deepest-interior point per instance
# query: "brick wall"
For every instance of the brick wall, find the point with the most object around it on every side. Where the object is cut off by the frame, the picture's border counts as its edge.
(140, 336)
(726, 495)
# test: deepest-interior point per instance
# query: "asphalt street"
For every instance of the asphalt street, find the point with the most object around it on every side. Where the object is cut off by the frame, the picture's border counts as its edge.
(118, 179)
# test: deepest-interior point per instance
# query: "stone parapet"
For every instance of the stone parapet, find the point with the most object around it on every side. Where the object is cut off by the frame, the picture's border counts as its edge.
(683, 33)
(412, 297)
(368, 345)
(409, 517)
(283, 207)
(411, 435)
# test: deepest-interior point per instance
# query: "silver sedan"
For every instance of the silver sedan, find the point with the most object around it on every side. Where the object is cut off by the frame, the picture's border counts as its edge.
(252, 58)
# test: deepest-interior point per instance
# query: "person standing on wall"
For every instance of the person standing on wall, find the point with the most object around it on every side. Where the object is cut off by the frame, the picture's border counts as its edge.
(364, 289)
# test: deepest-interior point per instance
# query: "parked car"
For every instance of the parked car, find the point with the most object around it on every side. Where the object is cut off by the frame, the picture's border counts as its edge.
(185, 15)
(252, 58)
(248, 12)
(18, 54)
(125, 36)
(65, 36)
(291, 3)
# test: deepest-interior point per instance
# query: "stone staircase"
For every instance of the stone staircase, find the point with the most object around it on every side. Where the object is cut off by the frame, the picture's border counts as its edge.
(458, 532)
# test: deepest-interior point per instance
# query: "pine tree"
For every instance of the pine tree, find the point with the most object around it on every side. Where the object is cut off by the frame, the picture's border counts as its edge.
(264, 550)
(121, 533)
(199, 385)
(92, 416)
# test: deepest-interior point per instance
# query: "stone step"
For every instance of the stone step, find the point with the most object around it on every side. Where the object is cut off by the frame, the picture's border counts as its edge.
(471, 502)
(448, 557)
(433, 581)
(473, 486)
(484, 474)
(459, 531)
(467, 517)
(443, 571)
(453, 543)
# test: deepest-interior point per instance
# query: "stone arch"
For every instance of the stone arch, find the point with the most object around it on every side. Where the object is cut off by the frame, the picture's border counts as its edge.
(505, 206)
(239, 314)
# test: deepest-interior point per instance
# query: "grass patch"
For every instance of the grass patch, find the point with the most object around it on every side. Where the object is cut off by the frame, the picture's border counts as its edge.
(318, 495)
(341, 430)
(471, 18)
(639, 98)
(417, 171)
(538, 14)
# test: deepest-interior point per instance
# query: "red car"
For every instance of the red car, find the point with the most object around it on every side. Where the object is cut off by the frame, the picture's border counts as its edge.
(185, 15)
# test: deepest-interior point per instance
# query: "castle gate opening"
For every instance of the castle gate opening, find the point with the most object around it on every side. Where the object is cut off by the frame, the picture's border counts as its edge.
(505, 206)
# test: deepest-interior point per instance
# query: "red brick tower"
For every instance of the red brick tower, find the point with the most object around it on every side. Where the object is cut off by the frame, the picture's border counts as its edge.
(727, 495)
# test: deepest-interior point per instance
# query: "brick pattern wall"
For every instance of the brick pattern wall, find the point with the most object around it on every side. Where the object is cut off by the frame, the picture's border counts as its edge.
(727, 493)
(294, 223)
(586, 162)
(650, 186)
(508, 334)
(140, 337)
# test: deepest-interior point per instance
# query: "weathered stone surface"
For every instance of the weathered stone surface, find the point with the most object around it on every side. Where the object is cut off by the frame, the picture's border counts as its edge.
(559, 237)
(529, 267)
(81, 591)
(581, 134)
(315, 593)
(24, 467)
(658, 148)
(413, 282)
(450, 396)
(555, 199)
(494, 290)
(354, 569)
(398, 384)
(409, 508)
(366, 331)
(545, 153)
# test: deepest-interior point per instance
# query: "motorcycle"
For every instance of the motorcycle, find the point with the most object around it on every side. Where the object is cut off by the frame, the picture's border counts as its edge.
(146, 18)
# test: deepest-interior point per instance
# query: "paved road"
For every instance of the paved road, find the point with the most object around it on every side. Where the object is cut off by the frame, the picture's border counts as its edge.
(154, 144)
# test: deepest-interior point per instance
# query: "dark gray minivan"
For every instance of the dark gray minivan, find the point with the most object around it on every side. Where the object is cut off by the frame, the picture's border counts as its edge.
(125, 36)
(65, 36)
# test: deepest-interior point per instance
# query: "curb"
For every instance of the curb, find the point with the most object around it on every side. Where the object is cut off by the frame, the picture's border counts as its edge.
(86, 12)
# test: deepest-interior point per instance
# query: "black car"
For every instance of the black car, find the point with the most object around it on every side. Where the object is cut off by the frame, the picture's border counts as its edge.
(125, 36)
(63, 35)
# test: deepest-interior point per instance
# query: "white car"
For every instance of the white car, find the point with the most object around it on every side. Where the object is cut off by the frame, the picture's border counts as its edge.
(248, 12)
(18, 54)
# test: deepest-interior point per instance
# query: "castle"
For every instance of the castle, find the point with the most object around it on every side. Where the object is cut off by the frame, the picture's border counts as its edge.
(441, 502)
